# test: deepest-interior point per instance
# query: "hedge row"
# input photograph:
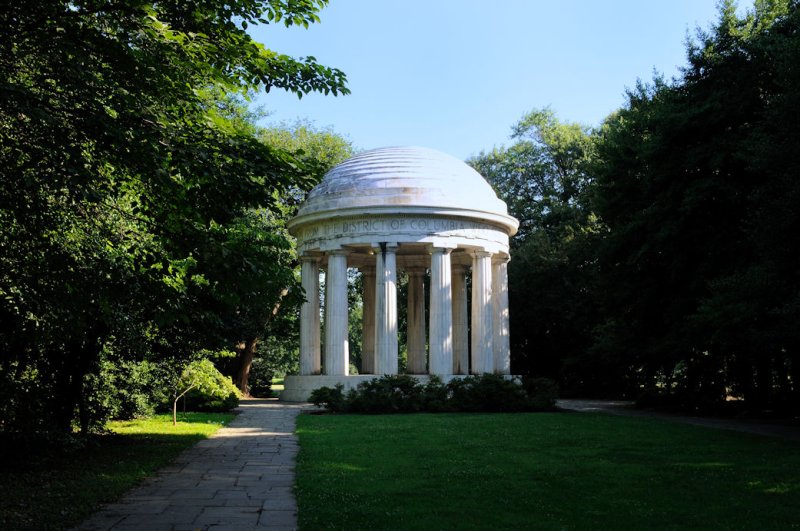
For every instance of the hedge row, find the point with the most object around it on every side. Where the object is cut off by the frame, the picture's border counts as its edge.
(405, 394)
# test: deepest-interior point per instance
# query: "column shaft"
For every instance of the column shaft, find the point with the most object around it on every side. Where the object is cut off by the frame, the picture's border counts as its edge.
(441, 332)
(500, 339)
(337, 360)
(310, 361)
(482, 330)
(386, 310)
(460, 321)
(368, 321)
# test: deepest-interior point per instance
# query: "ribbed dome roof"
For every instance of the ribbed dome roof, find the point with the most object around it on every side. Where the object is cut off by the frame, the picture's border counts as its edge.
(403, 179)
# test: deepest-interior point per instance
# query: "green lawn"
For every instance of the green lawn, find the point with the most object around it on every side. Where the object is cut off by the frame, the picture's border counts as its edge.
(44, 488)
(540, 471)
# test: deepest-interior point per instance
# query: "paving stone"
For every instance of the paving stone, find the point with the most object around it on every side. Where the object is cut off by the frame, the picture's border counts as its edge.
(278, 519)
(241, 479)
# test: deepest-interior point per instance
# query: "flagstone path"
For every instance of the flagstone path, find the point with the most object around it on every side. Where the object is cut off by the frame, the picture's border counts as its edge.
(242, 478)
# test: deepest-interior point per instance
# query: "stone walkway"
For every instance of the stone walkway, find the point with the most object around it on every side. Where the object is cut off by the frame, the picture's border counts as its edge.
(240, 479)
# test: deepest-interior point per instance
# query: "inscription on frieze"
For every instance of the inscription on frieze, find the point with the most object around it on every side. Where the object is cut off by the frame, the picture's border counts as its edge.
(355, 227)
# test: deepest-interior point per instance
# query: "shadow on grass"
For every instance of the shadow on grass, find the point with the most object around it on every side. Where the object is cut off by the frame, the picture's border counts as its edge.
(55, 481)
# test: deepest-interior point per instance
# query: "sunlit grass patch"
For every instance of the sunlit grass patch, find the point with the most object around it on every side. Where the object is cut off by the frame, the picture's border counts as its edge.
(540, 471)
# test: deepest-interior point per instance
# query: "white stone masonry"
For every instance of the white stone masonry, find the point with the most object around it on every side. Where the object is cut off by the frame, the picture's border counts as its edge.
(336, 341)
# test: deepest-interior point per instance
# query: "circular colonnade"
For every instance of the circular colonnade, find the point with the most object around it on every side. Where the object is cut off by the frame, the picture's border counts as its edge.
(412, 210)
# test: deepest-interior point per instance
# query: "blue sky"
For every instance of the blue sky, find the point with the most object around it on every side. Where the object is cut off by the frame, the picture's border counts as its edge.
(455, 75)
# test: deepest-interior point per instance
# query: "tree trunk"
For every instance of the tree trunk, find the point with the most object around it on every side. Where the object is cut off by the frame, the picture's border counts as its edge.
(247, 350)
(246, 355)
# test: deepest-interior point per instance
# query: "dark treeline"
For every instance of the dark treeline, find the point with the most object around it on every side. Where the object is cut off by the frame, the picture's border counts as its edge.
(659, 252)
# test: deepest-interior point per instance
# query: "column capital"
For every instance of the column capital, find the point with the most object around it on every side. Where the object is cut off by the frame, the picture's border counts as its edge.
(309, 258)
(438, 250)
(337, 252)
(480, 253)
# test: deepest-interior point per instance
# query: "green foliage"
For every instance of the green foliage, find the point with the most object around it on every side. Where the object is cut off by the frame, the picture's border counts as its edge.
(205, 388)
(387, 394)
(405, 394)
(331, 399)
(280, 352)
(694, 181)
(488, 393)
(657, 253)
(261, 375)
(130, 181)
(265, 295)
(134, 389)
(542, 392)
(545, 180)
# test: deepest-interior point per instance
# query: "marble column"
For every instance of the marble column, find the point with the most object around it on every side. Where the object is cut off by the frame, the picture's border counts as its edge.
(460, 322)
(416, 322)
(368, 321)
(441, 332)
(386, 309)
(500, 339)
(310, 360)
(482, 356)
(337, 360)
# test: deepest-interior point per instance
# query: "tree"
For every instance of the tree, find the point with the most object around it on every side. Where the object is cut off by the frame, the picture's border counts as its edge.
(121, 169)
(200, 375)
(699, 264)
(543, 178)
(269, 290)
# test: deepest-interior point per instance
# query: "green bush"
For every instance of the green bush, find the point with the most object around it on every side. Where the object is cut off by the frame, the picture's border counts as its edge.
(542, 392)
(487, 392)
(435, 395)
(260, 380)
(405, 394)
(389, 394)
(331, 399)
(121, 390)
(210, 389)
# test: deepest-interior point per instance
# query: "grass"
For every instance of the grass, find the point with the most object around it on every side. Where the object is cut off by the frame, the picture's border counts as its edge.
(540, 471)
(277, 387)
(49, 486)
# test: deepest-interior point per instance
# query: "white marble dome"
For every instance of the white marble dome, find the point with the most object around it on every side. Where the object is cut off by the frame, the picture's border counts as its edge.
(406, 180)
(411, 211)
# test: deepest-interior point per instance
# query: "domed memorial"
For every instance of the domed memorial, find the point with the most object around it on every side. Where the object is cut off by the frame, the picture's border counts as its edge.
(394, 211)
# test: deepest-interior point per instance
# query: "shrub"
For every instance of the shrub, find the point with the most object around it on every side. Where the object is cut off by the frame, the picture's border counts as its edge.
(260, 380)
(487, 392)
(331, 399)
(121, 390)
(435, 395)
(388, 394)
(210, 389)
(137, 390)
(542, 392)
(405, 394)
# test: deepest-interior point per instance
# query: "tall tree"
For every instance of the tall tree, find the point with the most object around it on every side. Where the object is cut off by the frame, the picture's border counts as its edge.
(267, 294)
(119, 166)
(698, 267)
(544, 181)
